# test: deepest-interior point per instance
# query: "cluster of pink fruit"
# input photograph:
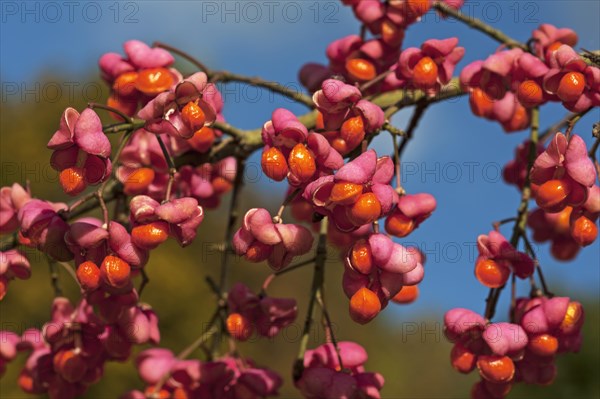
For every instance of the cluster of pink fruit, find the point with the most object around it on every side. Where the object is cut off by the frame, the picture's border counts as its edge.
(508, 84)
(523, 351)
(165, 116)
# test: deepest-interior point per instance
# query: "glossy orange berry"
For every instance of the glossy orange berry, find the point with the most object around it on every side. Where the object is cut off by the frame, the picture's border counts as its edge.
(128, 106)
(273, 164)
(88, 275)
(364, 306)
(562, 224)
(543, 345)
(573, 319)
(302, 163)
(481, 104)
(366, 209)
(154, 80)
(361, 257)
(221, 185)
(353, 131)
(193, 116)
(239, 327)
(345, 193)
(417, 8)
(319, 123)
(425, 73)
(551, 196)
(72, 180)
(530, 93)
(571, 86)
(26, 382)
(69, 365)
(391, 33)
(115, 272)
(360, 69)
(203, 139)
(491, 273)
(462, 359)
(257, 252)
(553, 47)
(150, 235)
(408, 294)
(496, 369)
(124, 84)
(584, 231)
(519, 119)
(138, 181)
(399, 225)
(340, 145)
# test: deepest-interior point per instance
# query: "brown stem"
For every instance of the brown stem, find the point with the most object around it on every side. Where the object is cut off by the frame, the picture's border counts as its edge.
(225, 76)
(479, 25)
(125, 117)
(183, 54)
(317, 283)
(521, 220)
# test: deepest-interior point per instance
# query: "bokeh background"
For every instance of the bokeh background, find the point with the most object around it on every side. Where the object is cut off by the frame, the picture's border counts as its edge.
(49, 53)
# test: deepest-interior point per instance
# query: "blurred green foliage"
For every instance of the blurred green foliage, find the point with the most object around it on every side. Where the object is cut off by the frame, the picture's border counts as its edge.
(412, 354)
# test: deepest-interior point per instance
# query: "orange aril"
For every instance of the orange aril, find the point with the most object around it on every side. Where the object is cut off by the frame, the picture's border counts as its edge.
(408, 294)
(115, 271)
(353, 131)
(273, 164)
(462, 359)
(124, 84)
(573, 319)
(399, 225)
(193, 116)
(571, 86)
(361, 257)
(202, 139)
(302, 163)
(72, 180)
(360, 69)
(497, 369)
(491, 274)
(151, 235)
(345, 193)
(88, 275)
(543, 345)
(425, 73)
(364, 306)
(238, 326)
(366, 209)
(584, 231)
(481, 103)
(551, 196)
(530, 93)
(138, 181)
(154, 80)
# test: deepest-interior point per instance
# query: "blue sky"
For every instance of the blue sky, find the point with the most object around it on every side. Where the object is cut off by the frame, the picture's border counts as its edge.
(454, 155)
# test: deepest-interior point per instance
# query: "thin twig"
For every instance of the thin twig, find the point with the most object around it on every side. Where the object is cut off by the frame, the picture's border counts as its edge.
(170, 163)
(479, 25)
(317, 283)
(278, 273)
(183, 54)
(125, 117)
(290, 92)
